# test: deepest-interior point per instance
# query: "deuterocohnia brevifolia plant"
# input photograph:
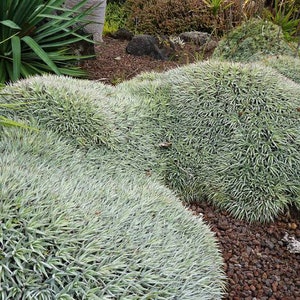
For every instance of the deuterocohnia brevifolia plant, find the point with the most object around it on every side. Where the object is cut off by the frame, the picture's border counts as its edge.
(236, 136)
(61, 107)
(86, 216)
(252, 40)
(36, 37)
(9, 122)
(286, 65)
(226, 132)
(72, 228)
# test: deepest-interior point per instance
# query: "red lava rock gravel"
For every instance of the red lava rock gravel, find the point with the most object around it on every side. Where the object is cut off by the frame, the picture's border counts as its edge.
(257, 262)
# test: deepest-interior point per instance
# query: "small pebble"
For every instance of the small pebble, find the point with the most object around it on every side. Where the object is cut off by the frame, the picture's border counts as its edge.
(293, 226)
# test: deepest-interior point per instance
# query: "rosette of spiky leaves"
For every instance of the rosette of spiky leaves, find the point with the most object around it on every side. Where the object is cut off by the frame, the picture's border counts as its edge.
(252, 40)
(74, 229)
(286, 65)
(36, 37)
(236, 136)
(63, 105)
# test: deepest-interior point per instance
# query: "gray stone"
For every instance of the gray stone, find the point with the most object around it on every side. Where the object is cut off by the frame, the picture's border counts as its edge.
(122, 34)
(196, 37)
(144, 44)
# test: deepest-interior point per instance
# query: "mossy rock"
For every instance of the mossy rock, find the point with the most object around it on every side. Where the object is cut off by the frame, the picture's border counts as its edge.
(74, 229)
(251, 41)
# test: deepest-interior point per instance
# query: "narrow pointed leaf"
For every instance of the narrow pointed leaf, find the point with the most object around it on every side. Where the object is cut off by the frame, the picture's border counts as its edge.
(16, 49)
(10, 24)
(40, 53)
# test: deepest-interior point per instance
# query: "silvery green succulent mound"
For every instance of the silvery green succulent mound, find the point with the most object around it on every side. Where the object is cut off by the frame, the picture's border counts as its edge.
(252, 40)
(71, 229)
(218, 131)
(235, 137)
(76, 109)
(286, 65)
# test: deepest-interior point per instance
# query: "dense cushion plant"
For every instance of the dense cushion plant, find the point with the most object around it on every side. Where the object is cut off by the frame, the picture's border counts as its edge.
(232, 132)
(74, 229)
(252, 40)
(235, 135)
(84, 213)
(71, 110)
(286, 65)
(226, 132)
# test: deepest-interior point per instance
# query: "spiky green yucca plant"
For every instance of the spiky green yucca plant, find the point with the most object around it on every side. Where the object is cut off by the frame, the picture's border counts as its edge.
(72, 229)
(252, 40)
(34, 39)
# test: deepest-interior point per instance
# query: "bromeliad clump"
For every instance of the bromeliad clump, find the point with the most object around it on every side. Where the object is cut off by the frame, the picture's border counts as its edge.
(235, 137)
(75, 229)
(232, 130)
(251, 41)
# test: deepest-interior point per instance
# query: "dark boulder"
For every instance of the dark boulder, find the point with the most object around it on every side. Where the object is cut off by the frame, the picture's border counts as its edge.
(122, 34)
(144, 44)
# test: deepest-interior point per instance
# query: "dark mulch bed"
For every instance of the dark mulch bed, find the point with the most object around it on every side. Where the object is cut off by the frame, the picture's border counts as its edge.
(257, 262)
(113, 65)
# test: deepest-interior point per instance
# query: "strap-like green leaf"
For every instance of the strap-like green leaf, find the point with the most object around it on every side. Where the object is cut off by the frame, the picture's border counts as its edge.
(16, 49)
(3, 71)
(10, 24)
(40, 53)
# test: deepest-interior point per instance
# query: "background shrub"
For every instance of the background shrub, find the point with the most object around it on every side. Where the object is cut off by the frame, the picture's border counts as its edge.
(252, 40)
(174, 16)
(115, 17)
(76, 229)
(286, 15)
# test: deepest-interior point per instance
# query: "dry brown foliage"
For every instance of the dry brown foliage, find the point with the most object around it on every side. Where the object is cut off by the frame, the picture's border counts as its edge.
(176, 16)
